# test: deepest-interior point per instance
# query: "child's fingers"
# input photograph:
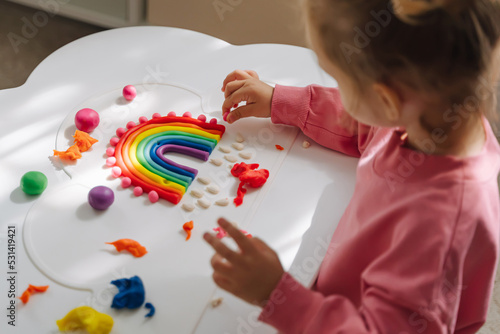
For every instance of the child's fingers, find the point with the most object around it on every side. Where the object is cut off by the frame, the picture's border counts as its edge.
(259, 244)
(237, 75)
(252, 74)
(220, 265)
(235, 98)
(222, 281)
(241, 112)
(222, 249)
(243, 242)
(233, 86)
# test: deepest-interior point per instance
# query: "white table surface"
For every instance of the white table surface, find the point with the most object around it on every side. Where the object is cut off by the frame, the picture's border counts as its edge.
(296, 216)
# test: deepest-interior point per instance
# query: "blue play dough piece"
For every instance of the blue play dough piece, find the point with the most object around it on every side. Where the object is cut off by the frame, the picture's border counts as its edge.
(131, 293)
(151, 309)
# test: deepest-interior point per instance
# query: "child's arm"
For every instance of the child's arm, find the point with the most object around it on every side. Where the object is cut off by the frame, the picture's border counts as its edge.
(401, 292)
(316, 110)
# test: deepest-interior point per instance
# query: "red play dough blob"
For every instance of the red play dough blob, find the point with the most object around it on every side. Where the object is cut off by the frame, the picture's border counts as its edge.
(248, 175)
(86, 120)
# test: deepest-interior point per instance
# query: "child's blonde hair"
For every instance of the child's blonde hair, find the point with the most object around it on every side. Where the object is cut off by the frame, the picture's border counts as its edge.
(445, 46)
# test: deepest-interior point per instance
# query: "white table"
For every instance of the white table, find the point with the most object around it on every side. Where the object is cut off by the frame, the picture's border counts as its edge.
(296, 214)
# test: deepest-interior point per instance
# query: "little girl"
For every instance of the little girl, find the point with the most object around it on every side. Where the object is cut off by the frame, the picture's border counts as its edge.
(416, 249)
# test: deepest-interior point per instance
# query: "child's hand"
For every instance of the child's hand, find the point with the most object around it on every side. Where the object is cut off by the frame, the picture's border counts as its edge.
(250, 274)
(245, 86)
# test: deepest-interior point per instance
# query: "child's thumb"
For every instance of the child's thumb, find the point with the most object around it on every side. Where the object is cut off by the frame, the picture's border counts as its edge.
(241, 112)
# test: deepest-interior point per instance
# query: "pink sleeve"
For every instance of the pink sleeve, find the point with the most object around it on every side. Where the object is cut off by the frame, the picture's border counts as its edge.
(319, 113)
(405, 290)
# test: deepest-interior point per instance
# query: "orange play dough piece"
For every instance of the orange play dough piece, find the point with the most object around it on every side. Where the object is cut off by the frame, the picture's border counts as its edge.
(83, 140)
(72, 153)
(188, 227)
(132, 246)
(279, 147)
(30, 290)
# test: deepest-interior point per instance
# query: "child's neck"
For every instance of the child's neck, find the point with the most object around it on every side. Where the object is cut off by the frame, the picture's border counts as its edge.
(462, 138)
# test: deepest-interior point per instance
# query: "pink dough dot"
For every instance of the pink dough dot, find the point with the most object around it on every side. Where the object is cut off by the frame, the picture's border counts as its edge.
(187, 114)
(213, 121)
(126, 182)
(116, 171)
(86, 120)
(120, 132)
(111, 161)
(130, 125)
(153, 196)
(171, 114)
(129, 92)
(202, 118)
(110, 151)
(224, 117)
(114, 141)
(156, 115)
(143, 119)
(138, 191)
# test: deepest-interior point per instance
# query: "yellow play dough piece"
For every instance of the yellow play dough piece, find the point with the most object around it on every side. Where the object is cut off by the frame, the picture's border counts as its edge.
(85, 317)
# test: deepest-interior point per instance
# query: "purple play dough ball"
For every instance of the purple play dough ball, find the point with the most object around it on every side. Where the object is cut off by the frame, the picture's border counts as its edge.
(101, 197)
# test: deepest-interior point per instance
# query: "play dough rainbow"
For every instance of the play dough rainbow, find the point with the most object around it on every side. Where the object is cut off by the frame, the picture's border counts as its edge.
(140, 153)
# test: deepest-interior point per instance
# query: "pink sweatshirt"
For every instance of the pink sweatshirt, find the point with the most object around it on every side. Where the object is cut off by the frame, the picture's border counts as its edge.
(416, 249)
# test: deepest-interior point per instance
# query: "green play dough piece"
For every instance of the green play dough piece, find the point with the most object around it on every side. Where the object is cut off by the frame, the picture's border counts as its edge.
(33, 183)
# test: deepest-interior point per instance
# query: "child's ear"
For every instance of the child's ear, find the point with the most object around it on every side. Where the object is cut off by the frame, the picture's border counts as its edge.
(390, 100)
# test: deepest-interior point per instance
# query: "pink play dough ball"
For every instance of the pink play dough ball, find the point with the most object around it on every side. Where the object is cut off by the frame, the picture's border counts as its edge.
(130, 125)
(153, 196)
(116, 171)
(156, 115)
(110, 151)
(213, 121)
(129, 92)
(202, 118)
(86, 120)
(171, 114)
(126, 182)
(120, 132)
(111, 161)
(143, 119)
(138, 191)
(114, 141)
(187, 114)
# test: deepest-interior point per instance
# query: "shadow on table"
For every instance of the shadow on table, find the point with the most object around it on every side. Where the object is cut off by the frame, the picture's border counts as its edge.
(19, 197)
